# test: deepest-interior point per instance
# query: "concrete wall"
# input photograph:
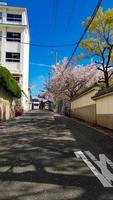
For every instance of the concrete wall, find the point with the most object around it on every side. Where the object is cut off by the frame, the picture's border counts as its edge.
(86, 113)
(84, 99)
(6, 105)
(104, 110)
(84, 107)
(98, 111)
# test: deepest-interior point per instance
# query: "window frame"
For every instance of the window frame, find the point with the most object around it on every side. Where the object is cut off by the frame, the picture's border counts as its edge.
(17, 78)
(14, 17)
(13, 56)
(13, 38)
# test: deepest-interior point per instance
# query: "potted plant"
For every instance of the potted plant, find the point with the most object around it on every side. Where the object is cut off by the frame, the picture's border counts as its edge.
(18, 111)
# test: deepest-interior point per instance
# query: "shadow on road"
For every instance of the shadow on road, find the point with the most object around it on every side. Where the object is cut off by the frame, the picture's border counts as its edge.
(37, 154)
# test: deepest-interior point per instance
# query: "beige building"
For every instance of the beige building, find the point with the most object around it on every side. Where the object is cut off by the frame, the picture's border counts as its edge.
(14, 46)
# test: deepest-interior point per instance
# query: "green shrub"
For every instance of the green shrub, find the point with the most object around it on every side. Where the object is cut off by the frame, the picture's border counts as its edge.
(9, 83)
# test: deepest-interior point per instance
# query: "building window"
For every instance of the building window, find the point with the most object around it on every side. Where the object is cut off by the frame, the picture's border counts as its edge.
(14, 17)
(17, 78)
(15, 37)
(12, 57)
(0, 15)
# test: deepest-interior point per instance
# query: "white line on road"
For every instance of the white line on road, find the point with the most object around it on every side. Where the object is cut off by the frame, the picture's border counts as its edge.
(101, 177)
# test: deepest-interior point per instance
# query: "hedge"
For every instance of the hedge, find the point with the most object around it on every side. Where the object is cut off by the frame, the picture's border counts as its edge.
(9, 83)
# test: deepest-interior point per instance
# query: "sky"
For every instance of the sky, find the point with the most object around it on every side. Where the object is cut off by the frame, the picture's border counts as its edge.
(54, 22)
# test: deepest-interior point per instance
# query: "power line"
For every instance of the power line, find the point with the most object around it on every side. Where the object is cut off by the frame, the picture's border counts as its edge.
(44, 45)
(55, 13)
(84, 32)
(52, 46)
(59, 45)
(64, 45)
(70, 15)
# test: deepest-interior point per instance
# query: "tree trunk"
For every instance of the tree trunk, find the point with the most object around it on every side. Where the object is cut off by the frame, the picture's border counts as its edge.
(106, 79)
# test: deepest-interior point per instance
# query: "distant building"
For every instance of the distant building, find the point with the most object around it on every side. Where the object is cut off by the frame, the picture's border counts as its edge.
(14, 46)
(35, 102)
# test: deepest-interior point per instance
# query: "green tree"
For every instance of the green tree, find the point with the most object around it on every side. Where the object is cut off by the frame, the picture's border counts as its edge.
(99, 42)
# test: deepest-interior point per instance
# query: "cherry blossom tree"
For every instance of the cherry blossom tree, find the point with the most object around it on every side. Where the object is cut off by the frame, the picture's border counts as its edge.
(65, 84)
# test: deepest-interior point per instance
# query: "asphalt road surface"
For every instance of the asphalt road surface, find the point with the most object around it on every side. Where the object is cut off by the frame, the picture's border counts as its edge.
(45, 156)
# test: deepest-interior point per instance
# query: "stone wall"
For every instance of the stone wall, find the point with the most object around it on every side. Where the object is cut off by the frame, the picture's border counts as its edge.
(6, 105)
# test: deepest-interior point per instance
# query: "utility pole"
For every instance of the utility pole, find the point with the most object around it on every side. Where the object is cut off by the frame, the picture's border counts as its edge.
(55, 62)
(49, 75)
(56, 57)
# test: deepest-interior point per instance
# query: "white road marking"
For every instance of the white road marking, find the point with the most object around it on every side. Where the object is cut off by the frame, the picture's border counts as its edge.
(102, 164)
(102, 179)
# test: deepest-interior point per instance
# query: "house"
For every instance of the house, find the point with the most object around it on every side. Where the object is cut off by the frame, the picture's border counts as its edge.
(35, 102)
(14, 46)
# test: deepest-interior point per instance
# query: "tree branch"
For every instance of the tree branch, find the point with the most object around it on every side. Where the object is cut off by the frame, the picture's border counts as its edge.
(110, 75)
(109, 56)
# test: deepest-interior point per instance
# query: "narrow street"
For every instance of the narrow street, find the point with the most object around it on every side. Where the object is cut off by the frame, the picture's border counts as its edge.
(37, 159)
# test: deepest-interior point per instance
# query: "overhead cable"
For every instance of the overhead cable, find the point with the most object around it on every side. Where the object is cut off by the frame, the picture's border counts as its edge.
(84, 32)
(44, 45)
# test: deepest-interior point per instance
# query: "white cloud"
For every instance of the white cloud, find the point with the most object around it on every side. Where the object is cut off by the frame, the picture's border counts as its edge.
(41, 79)
(40, 65)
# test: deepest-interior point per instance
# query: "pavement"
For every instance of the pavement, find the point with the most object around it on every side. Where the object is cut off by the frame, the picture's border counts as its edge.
(38, 159)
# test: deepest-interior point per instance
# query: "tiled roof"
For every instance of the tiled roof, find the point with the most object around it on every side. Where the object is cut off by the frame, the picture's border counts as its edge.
(84, 90)
(103, 92)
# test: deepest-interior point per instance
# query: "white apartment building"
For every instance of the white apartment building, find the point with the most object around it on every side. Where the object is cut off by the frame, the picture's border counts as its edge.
(14, 46)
